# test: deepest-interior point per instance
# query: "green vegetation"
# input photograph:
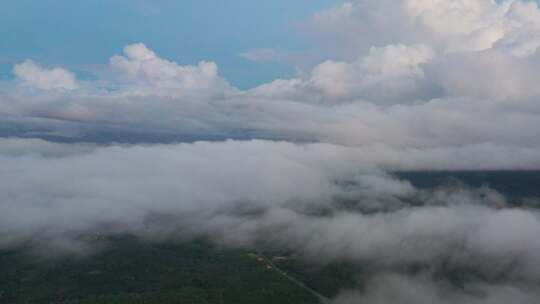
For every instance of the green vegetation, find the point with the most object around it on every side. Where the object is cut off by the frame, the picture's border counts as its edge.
(135, 271)
(328, 279)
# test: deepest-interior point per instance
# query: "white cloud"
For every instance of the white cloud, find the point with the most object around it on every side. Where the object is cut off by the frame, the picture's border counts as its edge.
(392, 74)
(473, 48)
(289, 196)
(447, 25)
(479, 24)
(386, 74)
(144, 73)
(408, 87)
(36, 76)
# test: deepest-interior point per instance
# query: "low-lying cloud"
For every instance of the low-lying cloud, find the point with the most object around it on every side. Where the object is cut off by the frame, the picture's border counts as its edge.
(324, 202)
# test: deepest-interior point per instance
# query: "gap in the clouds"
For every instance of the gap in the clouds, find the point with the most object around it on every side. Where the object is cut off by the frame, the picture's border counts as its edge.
(127, 137)
(70, 132)
(5, 71)
(514, 184)
(245, 74)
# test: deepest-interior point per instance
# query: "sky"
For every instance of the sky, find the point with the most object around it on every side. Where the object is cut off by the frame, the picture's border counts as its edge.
(82, 33)
(121, 113)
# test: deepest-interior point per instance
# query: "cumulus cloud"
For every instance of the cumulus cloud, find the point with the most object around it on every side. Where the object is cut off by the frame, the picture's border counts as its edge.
(448, 25)
(144, 73)
(385, 75)
(405, 93)
(479, 48)
(33, 75)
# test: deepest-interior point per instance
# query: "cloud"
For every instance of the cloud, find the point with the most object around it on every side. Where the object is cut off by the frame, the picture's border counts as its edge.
(326, 203)
(77, 184)
(38, 147)
(33, 75)
(447, 25)
(80, 188)
(392, 288)
(144, 73)
(385, 75)
(406, 93)
(407, 85)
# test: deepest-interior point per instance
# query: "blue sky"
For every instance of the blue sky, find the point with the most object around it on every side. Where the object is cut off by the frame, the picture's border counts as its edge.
(79, 33)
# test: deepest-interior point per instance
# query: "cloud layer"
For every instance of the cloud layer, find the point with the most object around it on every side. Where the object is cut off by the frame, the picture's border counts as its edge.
(324, 202)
